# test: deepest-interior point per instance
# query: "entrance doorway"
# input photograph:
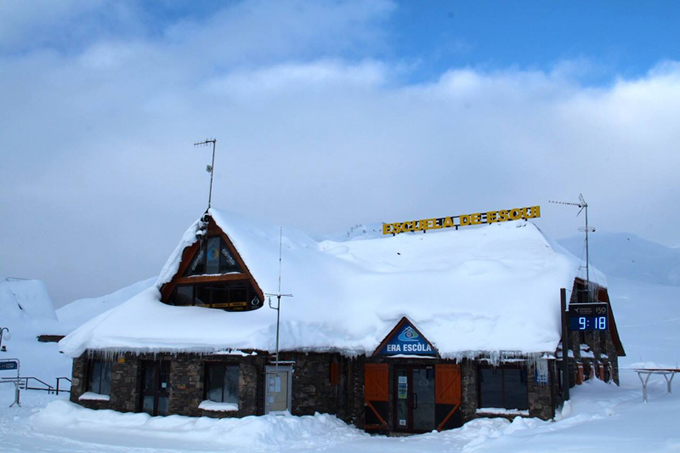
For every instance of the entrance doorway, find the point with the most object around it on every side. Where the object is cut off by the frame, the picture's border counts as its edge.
(414, 398)
(278, 390)
(155, 387)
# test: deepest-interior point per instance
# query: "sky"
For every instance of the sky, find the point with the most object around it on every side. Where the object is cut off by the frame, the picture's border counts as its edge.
(327, 115)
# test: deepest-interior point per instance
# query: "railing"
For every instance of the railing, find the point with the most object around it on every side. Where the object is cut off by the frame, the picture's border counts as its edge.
(25, 384)
(45, 386)
(59, 380)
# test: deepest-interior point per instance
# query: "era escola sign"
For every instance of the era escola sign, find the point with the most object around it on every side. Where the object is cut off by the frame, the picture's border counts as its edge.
(478, 218)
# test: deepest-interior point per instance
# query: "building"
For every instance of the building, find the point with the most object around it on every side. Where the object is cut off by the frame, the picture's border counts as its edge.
(393, 334)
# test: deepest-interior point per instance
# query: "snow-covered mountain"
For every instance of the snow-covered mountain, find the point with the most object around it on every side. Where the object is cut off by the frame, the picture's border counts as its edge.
(25, 304)
(628, 256)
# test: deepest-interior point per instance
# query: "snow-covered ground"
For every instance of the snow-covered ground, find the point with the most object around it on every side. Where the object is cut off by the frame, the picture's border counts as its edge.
(600, 417)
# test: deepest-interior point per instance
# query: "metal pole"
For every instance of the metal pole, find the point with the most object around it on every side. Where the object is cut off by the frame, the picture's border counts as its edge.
(587, 255)
(2, 332)
(278, 321)
(212, 170)
(565, 345)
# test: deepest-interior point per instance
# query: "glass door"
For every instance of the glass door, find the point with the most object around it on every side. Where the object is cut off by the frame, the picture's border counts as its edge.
(155, 386)
(414, 398)
(423, 399)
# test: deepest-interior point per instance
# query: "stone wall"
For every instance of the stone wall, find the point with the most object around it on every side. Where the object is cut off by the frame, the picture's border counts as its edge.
(469, 390)
(187, 378)
(541, 400)
(311, 385)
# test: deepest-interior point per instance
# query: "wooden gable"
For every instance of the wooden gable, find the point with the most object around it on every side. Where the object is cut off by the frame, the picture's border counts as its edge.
(181, 279)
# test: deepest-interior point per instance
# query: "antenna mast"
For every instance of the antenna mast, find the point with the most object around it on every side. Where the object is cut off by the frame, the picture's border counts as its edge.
(210, 168)
(278, 304)
(584, 206)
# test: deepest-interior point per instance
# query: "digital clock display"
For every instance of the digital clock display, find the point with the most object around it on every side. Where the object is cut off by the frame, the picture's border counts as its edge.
(589, 316)
(588, 323)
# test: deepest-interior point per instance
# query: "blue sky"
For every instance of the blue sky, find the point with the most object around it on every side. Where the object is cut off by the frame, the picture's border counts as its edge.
(327, 114)
(616, 37)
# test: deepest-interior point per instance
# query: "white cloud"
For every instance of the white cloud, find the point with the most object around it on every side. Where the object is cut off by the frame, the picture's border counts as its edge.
(99, 172)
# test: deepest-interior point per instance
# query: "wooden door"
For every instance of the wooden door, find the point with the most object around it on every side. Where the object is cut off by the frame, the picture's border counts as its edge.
(376, 395)
(448, 391)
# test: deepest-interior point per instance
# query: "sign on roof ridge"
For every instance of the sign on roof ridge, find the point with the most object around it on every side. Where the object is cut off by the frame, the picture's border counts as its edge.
(479, 218)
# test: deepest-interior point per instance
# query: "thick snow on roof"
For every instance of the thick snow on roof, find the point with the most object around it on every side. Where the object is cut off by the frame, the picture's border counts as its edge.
(472, 291)
(80, 311)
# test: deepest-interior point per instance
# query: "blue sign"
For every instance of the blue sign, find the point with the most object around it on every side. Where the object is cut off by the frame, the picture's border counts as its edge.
(10, 365)
(407, 341)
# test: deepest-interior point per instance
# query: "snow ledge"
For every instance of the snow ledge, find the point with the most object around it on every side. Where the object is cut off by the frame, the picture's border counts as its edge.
(501, 411)
(208, 405)
(91, 396)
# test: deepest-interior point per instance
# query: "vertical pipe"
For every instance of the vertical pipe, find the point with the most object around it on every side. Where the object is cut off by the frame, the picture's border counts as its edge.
(565, 345)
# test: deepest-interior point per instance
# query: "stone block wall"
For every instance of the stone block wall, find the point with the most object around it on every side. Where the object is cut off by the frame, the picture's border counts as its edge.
(541, 401)
(469, 389)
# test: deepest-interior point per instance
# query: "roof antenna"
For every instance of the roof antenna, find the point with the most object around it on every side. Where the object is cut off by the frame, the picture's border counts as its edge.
(587, 229)
(209, 168)
(278, 305)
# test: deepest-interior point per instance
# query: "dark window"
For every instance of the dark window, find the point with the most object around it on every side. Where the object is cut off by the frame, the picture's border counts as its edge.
(99, 377)
(503, 387)
(222, 383)
(184, 295)
(213, 257)
(231, 296)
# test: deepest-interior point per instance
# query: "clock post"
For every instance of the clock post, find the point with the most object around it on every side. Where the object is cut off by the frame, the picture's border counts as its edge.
(565, 345)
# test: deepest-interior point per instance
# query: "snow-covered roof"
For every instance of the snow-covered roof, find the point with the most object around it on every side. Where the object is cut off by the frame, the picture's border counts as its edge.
(469, 291)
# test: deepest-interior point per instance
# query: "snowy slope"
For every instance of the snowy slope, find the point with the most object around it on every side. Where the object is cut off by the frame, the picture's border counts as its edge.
(23, 301)
(491, 288)
(627, 256)
(80, 311)
(26, 309)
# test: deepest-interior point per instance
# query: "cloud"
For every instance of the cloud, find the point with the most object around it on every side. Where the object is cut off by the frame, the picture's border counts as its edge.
(100, 178)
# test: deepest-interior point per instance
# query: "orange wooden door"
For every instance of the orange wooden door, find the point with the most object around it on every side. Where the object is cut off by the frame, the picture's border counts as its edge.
(448, 394)
(376, 395)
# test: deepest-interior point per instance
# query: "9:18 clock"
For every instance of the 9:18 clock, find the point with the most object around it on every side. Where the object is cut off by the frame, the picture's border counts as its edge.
(589, 323)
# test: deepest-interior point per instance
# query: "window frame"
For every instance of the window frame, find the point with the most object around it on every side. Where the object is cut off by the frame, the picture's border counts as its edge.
(224, 366)
(104, 372)
(501, 369)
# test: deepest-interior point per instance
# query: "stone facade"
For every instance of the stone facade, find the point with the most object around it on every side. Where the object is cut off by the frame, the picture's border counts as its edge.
(312, 387)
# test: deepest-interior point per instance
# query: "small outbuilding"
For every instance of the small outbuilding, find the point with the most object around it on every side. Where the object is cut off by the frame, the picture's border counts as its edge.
(405, 333)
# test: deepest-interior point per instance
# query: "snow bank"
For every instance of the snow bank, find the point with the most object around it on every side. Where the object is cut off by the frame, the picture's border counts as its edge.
(259, 432)
(493, 288)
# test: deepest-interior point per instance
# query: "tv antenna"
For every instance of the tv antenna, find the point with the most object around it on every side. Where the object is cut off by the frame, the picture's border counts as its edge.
(278, 296)
(587, 229)
(210, 168)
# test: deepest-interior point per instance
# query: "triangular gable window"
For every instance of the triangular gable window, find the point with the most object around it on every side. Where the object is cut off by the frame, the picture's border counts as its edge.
(406, 340)
(213, 257)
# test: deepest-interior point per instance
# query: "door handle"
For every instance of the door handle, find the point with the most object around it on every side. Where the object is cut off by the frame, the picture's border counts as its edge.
(415, 401)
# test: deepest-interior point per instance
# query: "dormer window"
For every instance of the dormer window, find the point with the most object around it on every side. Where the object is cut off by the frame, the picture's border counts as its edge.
(230, 296)
(213, 258)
